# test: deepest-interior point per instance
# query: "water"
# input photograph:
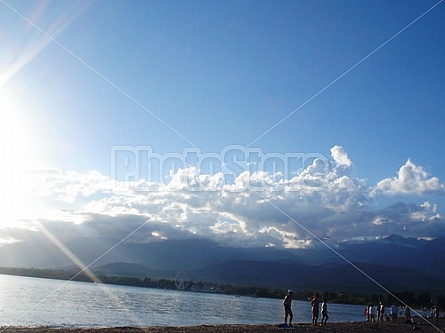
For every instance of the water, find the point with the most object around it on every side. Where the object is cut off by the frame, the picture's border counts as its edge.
(26, 301)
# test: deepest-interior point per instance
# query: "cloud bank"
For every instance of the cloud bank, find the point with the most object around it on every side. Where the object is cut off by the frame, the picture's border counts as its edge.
(344, 208)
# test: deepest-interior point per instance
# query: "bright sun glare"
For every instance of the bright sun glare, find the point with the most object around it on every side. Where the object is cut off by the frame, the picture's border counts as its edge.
(16, 162)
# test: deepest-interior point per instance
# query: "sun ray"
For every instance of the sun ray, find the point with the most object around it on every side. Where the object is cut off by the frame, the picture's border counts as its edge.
(71, 256)
(37, 42)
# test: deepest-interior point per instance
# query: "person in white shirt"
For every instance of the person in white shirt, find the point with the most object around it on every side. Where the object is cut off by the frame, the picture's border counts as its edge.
(324, 312)
(373, 311)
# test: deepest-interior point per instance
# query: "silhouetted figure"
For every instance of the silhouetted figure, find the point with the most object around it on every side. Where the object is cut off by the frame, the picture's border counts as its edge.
(393, 312)
(287, 307)
(436, 312)
(373, 312)
(315, 309)
(324, 312)
(380, 312)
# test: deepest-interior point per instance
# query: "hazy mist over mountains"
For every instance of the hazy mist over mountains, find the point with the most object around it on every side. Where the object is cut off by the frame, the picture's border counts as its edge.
(393, 263)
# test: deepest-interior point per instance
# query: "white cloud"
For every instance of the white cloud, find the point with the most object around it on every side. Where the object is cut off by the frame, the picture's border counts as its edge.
(8, 240)
(411, 179)
(340, 156)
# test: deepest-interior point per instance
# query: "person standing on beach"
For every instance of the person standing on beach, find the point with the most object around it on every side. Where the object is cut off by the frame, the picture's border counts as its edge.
(407, 314)
(315, 309)
(287, 307)
(436, 312)
(368, 312)
(393, 312)
(324, 312)
(373, 310)
(381, 312)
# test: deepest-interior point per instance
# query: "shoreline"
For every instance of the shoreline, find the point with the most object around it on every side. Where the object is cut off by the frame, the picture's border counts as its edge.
(346, 327)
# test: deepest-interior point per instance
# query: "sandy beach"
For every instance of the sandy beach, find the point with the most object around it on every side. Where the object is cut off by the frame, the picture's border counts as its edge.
(354, 327)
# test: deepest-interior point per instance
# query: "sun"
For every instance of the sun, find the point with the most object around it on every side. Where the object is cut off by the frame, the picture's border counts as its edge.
(16, 151)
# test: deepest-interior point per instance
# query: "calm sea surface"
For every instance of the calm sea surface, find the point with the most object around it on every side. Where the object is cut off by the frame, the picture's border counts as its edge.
(26, 301)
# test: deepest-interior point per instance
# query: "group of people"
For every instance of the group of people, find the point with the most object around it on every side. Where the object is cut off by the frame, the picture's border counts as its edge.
(375, 313)
(315, 305)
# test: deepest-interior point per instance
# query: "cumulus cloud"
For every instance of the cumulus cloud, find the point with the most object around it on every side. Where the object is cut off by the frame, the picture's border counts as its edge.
(411, 179)
(340, 157)
(322, 201)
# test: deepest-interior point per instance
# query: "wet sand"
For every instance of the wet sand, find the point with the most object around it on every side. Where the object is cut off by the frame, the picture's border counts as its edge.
(421, 326)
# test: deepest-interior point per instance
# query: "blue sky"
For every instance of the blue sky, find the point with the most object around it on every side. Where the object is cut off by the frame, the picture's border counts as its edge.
(358, 83)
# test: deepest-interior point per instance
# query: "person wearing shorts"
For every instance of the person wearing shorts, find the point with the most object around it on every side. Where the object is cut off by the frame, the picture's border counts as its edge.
(324, 312)
(315, 309)
(288, 307)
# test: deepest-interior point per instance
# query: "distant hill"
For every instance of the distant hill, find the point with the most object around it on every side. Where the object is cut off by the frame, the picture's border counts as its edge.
(125, 269)
(363, 278)
(421, 255)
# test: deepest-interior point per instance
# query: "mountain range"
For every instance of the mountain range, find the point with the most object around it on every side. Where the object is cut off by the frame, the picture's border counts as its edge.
(387, 264)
